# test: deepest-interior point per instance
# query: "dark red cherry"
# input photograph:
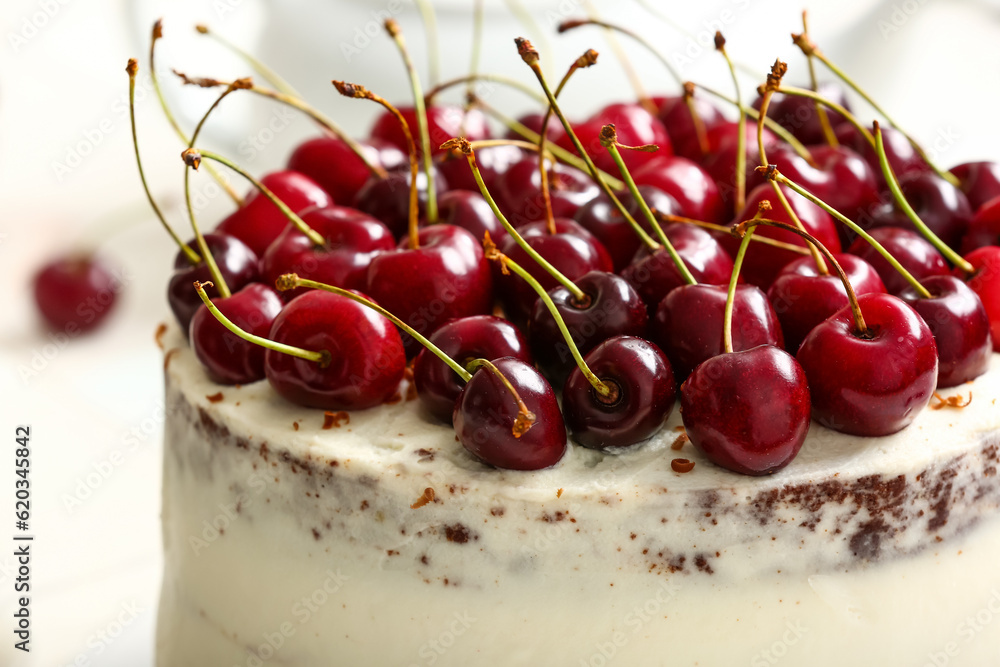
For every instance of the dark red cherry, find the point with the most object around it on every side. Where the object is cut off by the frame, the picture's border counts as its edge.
(902, 156)
(486, 414)
(533, 121)
(798, 115)
(352, 240)
(258, 222)
(76, 293)
(961, 328)
(464, 339)
(720, 162)
(937, 202)
(643, 393)
(872, 384)
(675, 114)
(692, 187)
(227, 358)
(980, 181)
(984, 228)
(635, 127)
(909, 248)
(688, 324)
(334, 167)
(491, 160)
(985, 282)
(803, 298)
(237, 263)
(446, 277)
(572, 250)
(366, 354)
(747, 411)
(388, 199)
(519, 191)
(611, 308)
(602, 219)
(654, 275)
(443, 123)
(468, 210)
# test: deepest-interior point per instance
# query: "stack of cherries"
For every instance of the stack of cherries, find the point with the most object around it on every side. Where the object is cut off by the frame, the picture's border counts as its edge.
(800, 266)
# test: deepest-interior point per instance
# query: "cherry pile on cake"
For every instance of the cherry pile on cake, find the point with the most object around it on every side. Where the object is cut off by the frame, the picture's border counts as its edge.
(687, 382)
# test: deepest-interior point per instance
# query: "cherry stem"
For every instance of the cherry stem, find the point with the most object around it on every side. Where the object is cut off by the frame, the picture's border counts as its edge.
(525, 418)
(263, 70)
(321, 357)
(493, 78)
(190, 254)
(530, 56)
(630, 72)
(360, 92)
(477, 38)
(853, 226)
(425, 138)
(824, 119)
(809, 48)
(431, 32)
(290, 281)
(696, 120)
(664, 217)
(193, 156)
(839, 108)
(561, 153)
(586, 60)
(156, 36)
(518, 9)
(465, 148)
(893, 183)
(741, 140)
(526, 145)
(861, 330)
(727, 317)
(571, 24)
(507, 265)
(609, 139)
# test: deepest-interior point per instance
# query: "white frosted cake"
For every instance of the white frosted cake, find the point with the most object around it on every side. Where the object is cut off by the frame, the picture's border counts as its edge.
(372, 538)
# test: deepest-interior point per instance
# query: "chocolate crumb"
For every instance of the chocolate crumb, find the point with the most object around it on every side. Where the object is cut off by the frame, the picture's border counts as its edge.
(168, 356)
(682, 465)
(315, 534)
(459, 534)
(335, 419)
(559, 493)
(215, 398)
(427, 497)
(158, 336)
(679, 442)
(295, 425)
(364, 505)
(497, 511)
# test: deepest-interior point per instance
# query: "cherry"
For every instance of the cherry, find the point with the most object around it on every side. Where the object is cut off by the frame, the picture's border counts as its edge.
(352, 240)
(444, 277)
(985, 282)
(602, 219)
(720, 161)
(980, 181)
(227, 358)
(874, 381)
(803, 297)
(635, 126)
(747, 411)
(75, 294)
(643, 393)
(693, 189)
(493, 161)
(675, 114)
(942, 206)
(961, 328)
(984, 228)
(332, 164)
(471, 212)
(611, 307)
(654, 275)
(388, 199)
(689, 321)
(237, 263)
(464, 339)
(798, 114)
(910, 249)
(364, 356)
(534, 121)
(443, 123)
(490, 425)
(258, 222)
(519, 191)
(902, 156)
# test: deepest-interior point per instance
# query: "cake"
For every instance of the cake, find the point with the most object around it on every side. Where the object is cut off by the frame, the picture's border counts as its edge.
(294, 537)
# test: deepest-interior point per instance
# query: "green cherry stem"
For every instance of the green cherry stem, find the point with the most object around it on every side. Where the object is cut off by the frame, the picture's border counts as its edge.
(609, 139)
(626, 64)
(263, 70)
(572, 24)
(823, 102)
(507, 264)
(466, 149)
(893, 183)
(741, 139)
(429, 20)
(290, 281)
(321, 357)
(491, 78)
(727, 317)
(474, 56)
(191, 255)
(421, 112)
(667, 218)
(824, 119)
(193, 157)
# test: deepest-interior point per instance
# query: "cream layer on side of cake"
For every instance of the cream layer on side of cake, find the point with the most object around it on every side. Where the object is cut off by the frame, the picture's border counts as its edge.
(288, 543)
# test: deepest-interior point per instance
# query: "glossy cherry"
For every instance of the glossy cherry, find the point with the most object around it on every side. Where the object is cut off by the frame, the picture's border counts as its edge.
(463, 339)
(961, 328)
(365, 351)
(491, 160)
(75, 294)
(443, 122)
(486, 415)
(692, 187)
(635, 127)
(910, 249)
(984, 228)
(985, 282)
(518, 191)
(798, 114)
(980, 181)
(227, 358)
(533, 121)
(643, 393)
(689, 320)
(720, 161)
(872, 383)
(902, 156)
(258, 222)
(675, 114)
(468, 210)
(237, 263)
(747, 411)
(942, 206)
(602, 219)
(332, 164)
(388, 199)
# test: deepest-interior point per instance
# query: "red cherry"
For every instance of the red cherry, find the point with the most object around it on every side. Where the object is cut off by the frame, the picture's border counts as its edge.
(471, 212)
(747, 411)
(676, 118)
(985, 282)
(937, 202)
(980, 181)
(692, 187)
(533, 121)
(984, 228)
(873, 384)
(720, 161)
(366, 354)
(332, 164)
(75, 294)
(602, 219)
(518, 192)
(911, 250)
(491, 160)
(798, 114)
(903, 158)
(635, 127)
(258, 222)
(388, 199)
(443, 123)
